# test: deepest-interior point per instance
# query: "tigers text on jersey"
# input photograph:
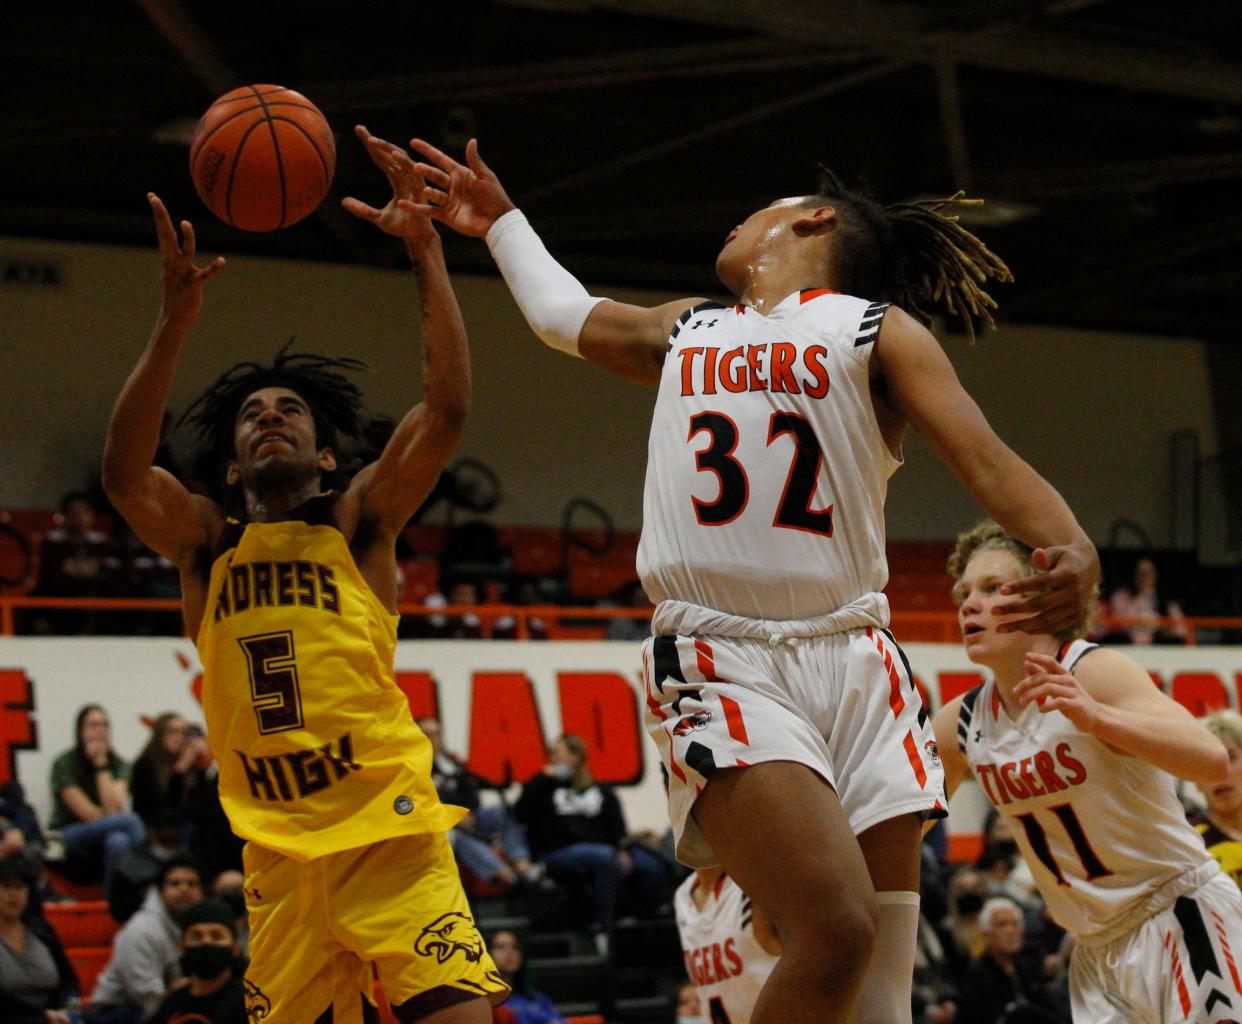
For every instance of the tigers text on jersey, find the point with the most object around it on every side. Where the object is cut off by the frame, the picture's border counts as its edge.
(1101, 831)
(723, 958)
(766, 467)
(317, 749)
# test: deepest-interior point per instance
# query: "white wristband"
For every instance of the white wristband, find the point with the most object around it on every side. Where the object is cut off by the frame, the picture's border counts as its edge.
(553, 301)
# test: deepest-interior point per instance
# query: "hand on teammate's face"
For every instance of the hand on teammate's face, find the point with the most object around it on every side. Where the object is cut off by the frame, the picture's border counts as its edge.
(1056, 597)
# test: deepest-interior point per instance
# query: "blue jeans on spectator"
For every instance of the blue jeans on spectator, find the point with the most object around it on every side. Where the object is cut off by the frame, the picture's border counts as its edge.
(600, 862)
(105, 840)
(476, 849)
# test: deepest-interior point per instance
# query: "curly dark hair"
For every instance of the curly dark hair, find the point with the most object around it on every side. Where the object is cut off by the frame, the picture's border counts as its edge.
(335, 402)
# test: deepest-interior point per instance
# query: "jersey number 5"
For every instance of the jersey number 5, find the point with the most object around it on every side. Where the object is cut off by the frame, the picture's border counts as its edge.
(274, 687)
(794, 511)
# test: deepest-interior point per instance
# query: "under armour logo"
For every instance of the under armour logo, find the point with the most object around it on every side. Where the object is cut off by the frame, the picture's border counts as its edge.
(702, 323)
(978, 735)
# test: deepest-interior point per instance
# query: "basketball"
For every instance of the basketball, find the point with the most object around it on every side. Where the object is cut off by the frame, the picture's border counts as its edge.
(262, 157)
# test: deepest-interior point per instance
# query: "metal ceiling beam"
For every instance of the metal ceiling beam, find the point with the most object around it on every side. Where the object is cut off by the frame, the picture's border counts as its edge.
(182, 33)
(1117, 177)
(897, 30)
(682, 140)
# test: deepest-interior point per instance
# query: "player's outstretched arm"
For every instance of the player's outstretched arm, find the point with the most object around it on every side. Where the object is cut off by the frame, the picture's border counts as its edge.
(392, 488)
(162, 513)
(627, 340)
(1111, 697)
(923, 388)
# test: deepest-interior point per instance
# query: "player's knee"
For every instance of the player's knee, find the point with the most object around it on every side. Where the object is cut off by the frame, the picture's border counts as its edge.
(839, 931)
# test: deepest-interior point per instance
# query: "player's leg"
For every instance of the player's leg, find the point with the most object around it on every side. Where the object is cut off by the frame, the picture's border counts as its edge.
(892, 852)
(781, 834)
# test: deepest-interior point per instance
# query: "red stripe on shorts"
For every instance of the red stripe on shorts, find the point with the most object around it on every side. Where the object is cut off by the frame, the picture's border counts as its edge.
(916, 762)
(1224, 945)
(733, 716)
(895, 700)
(1182, 994)
(707, 663)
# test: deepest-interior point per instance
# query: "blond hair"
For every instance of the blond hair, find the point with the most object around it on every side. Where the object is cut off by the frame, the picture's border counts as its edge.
(1225, 725)
(989, 536)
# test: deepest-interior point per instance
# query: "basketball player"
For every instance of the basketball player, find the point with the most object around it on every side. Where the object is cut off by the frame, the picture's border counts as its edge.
(729, 945)
(292, 605)
(784, 710)
(1073, 744)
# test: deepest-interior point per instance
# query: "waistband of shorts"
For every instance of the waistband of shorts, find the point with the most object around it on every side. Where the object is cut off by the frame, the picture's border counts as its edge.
(681, 618)
(1156, 901)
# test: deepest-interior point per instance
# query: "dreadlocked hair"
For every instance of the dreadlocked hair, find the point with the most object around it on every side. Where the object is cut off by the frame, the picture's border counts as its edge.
(335, 402)
(914, 254)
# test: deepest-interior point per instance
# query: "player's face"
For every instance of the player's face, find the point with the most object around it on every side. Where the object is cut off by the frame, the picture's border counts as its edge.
(1225, 798)
(979, 598)
(757, 241)
(274, 435)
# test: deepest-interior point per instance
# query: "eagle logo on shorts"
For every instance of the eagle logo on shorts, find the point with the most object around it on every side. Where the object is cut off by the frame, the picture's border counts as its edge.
(933, 752)
(450, 933)
(258, 1006)
(692, 723)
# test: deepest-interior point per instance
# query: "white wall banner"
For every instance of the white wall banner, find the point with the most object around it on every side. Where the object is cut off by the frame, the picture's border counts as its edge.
(501, 703)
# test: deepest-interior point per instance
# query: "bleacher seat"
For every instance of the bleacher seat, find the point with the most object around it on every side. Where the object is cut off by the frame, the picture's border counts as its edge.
(88, 962)
(82, 924)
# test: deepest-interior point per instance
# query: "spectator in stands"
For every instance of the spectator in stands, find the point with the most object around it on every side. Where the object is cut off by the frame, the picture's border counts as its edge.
(147, 948)
(452, 627)
(211, 960)
(138, 870)
(90, 793)
(1001, 864)
(165, 772)
(36, 977)
(631, 595)
(959, 930)
(20, 833)
(523, 591)
(487, 842)
(214, 845)
(75, 560)
(576, 827)
(1221, 823)
(527, 1004)
(1146, 604)
(1002, 985)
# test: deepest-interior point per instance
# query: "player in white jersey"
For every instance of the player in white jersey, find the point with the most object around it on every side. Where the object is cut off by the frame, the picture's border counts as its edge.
(1075, 746)
(784, 712)
(729, 945)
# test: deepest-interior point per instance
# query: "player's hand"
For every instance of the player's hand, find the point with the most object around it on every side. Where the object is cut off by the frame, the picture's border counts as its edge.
(183, 279)
(467, 198)
(402, 173)
(1053, 688)
(1056, 597)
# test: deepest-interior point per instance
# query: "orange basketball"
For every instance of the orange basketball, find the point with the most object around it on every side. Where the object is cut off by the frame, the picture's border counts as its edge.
(262, 157)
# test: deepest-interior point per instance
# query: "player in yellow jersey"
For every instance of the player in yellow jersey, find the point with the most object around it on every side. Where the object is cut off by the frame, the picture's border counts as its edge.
(291, 600)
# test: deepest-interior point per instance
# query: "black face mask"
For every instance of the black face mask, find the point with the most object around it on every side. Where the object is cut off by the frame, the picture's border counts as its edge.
(969, 903)
(206, 962)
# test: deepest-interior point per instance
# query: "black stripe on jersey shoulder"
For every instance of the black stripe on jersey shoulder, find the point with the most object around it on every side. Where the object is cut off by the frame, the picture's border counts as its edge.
(702, 307)
(869, 328)
(1081, 654)
(966, 715)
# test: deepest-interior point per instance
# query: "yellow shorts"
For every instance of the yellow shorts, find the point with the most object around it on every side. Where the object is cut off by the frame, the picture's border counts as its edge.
(321, 931)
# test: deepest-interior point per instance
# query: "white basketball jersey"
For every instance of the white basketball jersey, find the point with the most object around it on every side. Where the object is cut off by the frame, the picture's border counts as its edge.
(723, 959)
(1100, 830)
(766, 468)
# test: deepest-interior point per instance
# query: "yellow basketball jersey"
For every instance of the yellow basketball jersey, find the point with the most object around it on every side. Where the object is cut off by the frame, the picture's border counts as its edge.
(317, 749)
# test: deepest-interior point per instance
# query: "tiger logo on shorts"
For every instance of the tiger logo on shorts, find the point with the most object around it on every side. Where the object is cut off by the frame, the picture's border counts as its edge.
(448, 934)
(692, 723)
(258, 1006)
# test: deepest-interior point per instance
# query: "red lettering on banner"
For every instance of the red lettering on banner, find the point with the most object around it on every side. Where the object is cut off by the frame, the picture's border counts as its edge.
(954, 684)
(17, 728)
(506, 738)
(601, 708)
(1200, 693)
(423, 693)
(1155, 678)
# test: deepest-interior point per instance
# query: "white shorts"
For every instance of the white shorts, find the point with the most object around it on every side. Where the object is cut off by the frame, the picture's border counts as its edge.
(843, 704)
(1179, 965)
